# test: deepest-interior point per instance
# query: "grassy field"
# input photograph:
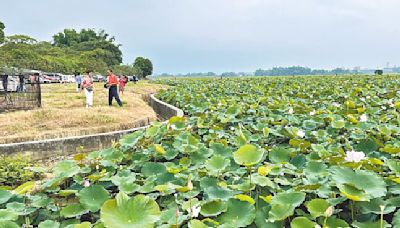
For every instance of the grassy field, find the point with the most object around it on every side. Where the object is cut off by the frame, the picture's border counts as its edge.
(63, 113)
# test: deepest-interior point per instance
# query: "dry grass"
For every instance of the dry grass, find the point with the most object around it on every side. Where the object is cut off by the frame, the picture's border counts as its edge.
(63, 113)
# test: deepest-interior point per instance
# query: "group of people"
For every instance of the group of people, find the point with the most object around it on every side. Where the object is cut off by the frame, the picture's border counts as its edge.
(33, 78)
(113, 84)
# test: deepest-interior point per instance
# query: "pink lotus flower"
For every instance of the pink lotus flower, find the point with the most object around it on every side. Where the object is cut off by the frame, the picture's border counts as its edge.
(354, 156)
(86, 183)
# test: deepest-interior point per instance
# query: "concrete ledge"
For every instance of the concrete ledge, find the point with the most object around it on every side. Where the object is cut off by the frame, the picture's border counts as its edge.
(43, 149)
(164, 110)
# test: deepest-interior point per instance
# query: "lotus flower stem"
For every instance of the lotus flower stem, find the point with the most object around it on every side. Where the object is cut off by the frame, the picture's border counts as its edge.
(352, 210)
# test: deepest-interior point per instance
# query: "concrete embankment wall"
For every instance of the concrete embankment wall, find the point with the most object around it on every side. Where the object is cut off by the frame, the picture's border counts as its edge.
(43, 149)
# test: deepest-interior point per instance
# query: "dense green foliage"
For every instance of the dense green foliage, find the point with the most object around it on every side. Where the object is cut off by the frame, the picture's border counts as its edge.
(298, 70)
(98, 43)
(70, 52)
(13, 171)
(144, 66)
(255, 152)
(2, 27)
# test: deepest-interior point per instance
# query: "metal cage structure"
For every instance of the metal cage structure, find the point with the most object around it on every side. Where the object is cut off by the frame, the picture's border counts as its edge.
(20, 91)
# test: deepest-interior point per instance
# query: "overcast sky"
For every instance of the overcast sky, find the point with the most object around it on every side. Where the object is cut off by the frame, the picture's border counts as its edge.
(182, 36)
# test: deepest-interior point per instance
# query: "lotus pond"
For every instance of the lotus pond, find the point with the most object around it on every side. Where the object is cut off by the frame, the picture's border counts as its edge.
(252, 152)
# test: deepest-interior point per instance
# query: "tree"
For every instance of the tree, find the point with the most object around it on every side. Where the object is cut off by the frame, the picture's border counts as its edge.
(2, 27)
(128, 70)
(144, 66)
(99, 43)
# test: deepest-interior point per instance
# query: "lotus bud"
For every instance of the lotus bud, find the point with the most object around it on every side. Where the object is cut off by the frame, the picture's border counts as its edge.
(329, 211)
(97, 167)
(382, 207)
(177, 213)
(190, 185)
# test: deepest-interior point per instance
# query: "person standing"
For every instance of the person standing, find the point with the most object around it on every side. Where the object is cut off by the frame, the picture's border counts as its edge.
(4, 79)
(78, 81)
(88, 85)
(123, 80)
(112, 82)
(21, 83)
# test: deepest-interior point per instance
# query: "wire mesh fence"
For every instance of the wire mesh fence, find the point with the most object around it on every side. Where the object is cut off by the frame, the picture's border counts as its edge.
(21, 92)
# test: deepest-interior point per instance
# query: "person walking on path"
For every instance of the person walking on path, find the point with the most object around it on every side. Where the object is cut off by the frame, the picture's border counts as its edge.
(112, 82)
(78, 81)
(88, 86)
(123, 80)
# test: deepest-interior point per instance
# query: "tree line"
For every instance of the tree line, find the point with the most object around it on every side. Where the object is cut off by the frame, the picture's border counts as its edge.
(69, 52)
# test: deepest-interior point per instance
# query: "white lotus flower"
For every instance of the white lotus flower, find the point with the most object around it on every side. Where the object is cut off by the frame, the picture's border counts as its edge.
(362, 99)
(368, 97)
(195, 211)
(391, 105)
(301, 133)
(290, 111)
(354, 156)
(312, 113)
(384, 107)
(363, 118)
(334, 104)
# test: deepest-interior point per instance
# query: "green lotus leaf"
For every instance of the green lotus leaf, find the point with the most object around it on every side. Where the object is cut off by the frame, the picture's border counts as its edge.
(374, 206)
(139, 211)
(338, 124)
(125, 181)
(353, 193)
(197, 224)
(72, 210)
(8, 215)
(84, 225)
(238, 214)
(368, 224)
(8, 224)
(93, 197)
(4, 196)
(66, 168)
(369, 182)
(333, 222)
(302, 222)
(131, 139)
(49, 224)
(396, 219)
(280, 212)
(216, 164)
(317, 207)
(262, 181)
(152, 168)
(294, 199)
(25, 188)
(279, 155)
(366, 146)
(213, 208)
(248, 155)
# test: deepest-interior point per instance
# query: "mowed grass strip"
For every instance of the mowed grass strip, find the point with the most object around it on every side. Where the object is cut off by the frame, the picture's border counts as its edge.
(64, 114)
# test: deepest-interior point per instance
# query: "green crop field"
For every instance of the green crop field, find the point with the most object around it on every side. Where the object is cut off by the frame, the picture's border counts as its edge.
(299, 152)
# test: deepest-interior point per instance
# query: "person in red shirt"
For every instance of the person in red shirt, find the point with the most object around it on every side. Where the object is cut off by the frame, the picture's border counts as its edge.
(112, 82)
(123, 80)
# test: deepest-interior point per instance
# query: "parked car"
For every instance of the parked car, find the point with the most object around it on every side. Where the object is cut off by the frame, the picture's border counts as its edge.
(67, 78)
(133, 79)
(99, 78)
(52, 77)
